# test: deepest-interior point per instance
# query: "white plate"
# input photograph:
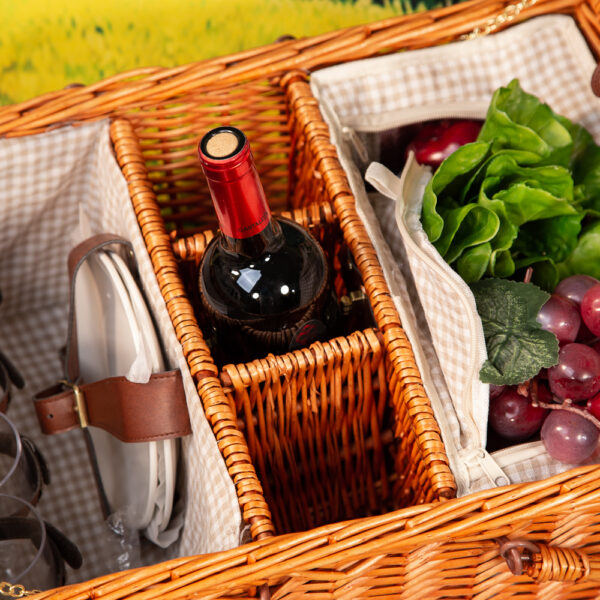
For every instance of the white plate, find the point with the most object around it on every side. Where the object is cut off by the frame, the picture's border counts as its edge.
(167, 449)
(109, 340)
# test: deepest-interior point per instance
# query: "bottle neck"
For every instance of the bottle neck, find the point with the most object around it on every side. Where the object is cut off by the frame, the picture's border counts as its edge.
(239, 199)
(268, 240)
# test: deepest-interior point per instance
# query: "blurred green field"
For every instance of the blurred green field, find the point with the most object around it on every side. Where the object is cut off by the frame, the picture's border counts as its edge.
(45, 46)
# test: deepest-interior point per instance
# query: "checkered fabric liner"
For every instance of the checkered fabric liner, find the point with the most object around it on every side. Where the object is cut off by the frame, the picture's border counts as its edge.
(550, 58)
(45, 180)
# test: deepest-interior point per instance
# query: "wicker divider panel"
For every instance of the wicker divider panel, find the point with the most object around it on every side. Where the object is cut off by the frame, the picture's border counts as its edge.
(425, 552)
(317, 422)
(216, 406)
(416, 425)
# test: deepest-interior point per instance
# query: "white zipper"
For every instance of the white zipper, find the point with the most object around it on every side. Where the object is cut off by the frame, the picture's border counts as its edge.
(474, 456)
(501, 459)
(374, 123)
(518, 453)
(356, 143)
(476, 335)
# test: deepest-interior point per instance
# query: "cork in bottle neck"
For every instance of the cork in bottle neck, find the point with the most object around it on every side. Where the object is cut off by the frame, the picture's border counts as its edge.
(222, 145)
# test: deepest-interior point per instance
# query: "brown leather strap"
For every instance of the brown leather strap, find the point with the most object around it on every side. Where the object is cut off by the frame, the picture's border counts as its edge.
(77, 257)
(132, 412)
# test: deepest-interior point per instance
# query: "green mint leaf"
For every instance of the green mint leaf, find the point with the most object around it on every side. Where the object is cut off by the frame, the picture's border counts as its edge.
(516, 344)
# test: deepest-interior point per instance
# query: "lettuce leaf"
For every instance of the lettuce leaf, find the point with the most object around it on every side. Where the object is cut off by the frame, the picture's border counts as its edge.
(585, 257)
(554, 238)
(472, 264)
(464, 227)
(522, 191)
(520, 121)
(447, 182)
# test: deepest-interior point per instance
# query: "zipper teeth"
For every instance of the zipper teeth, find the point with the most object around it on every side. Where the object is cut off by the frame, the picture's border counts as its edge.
(465, 401)
(520, 452)
(376, 123)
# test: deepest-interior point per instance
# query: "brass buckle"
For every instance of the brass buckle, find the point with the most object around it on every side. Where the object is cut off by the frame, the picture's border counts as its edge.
(79, 405)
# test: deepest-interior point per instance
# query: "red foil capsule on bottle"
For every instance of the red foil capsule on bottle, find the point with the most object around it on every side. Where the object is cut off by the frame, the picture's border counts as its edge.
(238, 195)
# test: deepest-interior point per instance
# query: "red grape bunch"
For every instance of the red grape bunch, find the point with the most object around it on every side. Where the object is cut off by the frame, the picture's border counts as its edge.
(562, 402)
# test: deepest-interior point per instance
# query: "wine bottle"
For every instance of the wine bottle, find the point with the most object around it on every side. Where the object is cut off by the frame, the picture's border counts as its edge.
(264, 281)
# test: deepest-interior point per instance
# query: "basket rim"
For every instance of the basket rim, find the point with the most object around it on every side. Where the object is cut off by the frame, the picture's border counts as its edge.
(486, 515)
(123, 92)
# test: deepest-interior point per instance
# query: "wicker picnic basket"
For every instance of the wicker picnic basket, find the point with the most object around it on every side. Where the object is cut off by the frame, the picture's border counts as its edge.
(370, 512)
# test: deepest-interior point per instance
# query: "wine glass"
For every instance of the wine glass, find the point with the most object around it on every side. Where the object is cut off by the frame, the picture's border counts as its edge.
(22, 473)
(28, 560)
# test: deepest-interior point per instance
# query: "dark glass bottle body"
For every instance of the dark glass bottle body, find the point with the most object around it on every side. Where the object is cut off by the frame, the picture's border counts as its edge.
(264, 282)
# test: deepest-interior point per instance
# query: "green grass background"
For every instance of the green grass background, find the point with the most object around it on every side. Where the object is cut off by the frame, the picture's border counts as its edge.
(47, 45)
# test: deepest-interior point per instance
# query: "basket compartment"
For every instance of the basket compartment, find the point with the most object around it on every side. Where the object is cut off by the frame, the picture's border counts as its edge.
(59, 188)
(373, 102)
(318, 421)
(361, 438)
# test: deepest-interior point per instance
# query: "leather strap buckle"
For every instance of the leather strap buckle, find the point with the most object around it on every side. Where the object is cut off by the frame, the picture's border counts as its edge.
(79, 403)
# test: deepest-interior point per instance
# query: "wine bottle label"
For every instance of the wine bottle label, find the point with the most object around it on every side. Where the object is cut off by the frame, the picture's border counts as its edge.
(308, 333)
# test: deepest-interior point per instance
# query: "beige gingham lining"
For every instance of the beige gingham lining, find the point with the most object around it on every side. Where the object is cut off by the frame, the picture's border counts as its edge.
(550, 58)
(43, 181)
(548, 55)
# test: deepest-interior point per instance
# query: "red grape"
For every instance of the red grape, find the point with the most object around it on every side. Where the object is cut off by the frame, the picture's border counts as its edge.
(569, 437)
(585, 336)
(593, 406)
(575, 287)
(590, 309)
(561, 317)
(577, 374)
(514, 417)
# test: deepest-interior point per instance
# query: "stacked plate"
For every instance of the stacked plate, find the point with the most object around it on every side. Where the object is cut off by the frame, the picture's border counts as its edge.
(116, 337)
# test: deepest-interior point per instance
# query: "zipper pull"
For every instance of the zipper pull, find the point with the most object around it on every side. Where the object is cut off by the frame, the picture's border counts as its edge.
(489, 466)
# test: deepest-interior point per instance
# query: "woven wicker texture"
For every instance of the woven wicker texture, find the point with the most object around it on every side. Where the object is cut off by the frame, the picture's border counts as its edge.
(163, 175)
(448, 550)
(424, 551)
(147, 87)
